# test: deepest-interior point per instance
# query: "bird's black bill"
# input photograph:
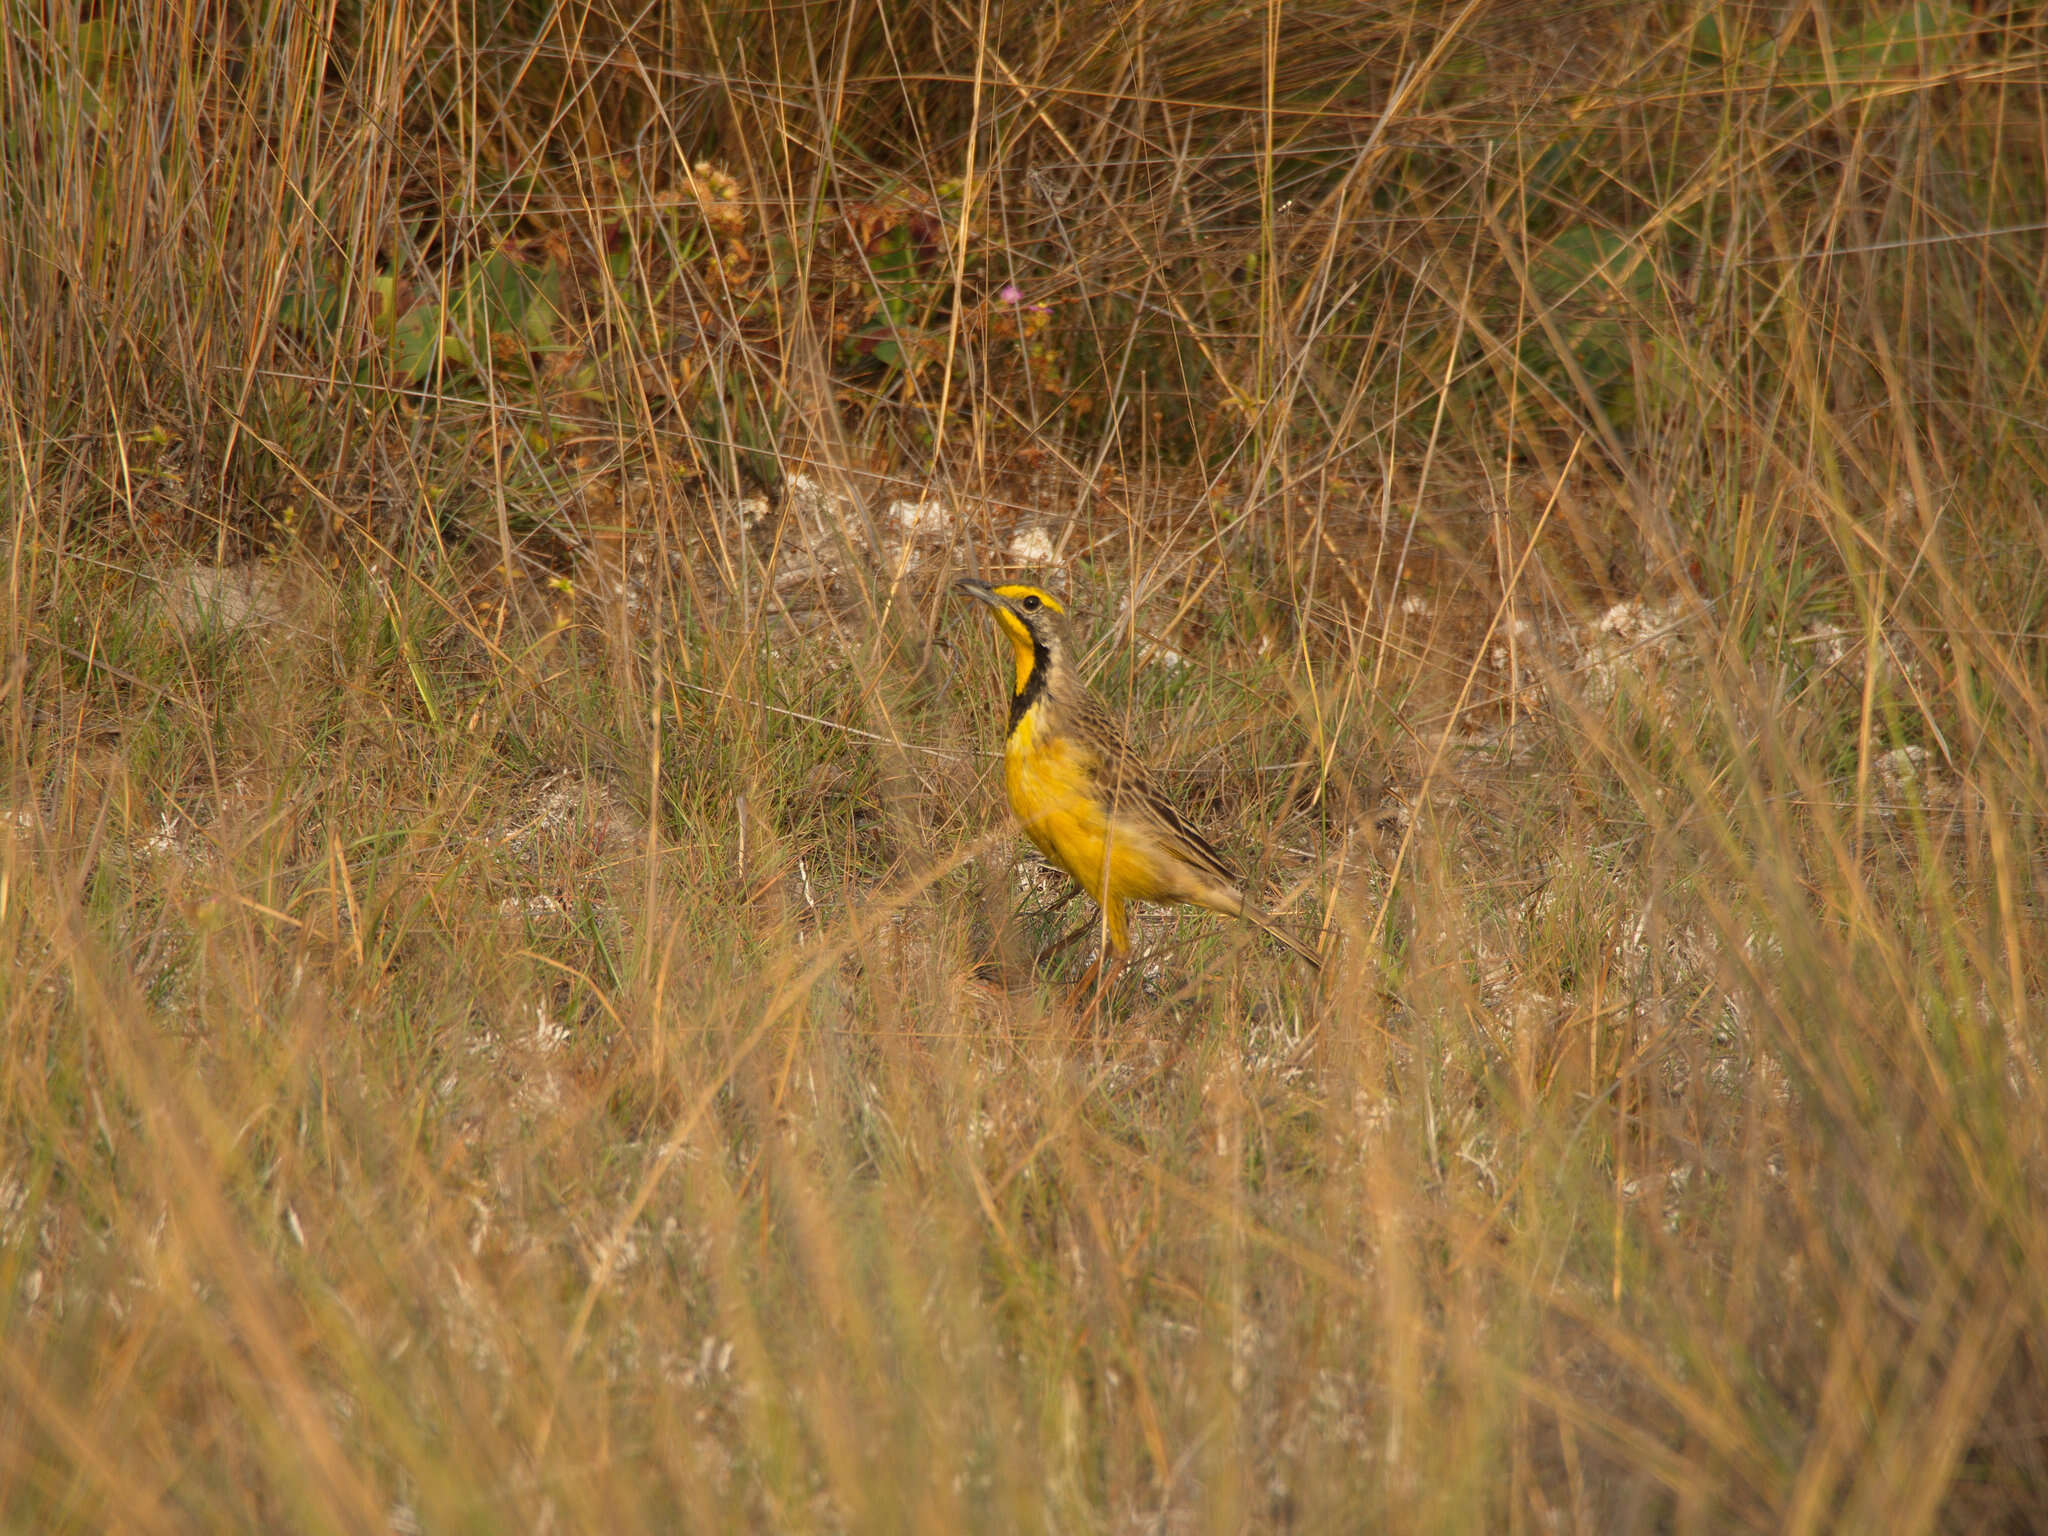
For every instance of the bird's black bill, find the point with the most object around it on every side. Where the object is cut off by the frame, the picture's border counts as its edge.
(978, 589)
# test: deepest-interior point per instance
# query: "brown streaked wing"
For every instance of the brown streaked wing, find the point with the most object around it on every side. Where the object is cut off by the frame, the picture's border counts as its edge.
(1125, 775)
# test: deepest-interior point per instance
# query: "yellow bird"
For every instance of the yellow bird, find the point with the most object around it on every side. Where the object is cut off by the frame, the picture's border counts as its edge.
(1086, 799)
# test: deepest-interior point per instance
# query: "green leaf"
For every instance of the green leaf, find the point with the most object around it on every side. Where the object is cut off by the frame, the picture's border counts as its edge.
(1886, 45)
(415, 341)
(1597, 284)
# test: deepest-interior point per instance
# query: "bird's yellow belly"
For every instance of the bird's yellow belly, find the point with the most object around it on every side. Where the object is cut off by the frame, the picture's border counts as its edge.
(1053, 791)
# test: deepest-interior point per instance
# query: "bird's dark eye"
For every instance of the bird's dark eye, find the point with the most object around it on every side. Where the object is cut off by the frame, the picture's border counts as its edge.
(1030, 604)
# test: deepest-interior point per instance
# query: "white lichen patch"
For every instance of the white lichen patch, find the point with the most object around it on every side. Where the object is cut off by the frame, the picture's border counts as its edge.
(800, 570)
(1032, 545)
(820, 509)
(921, 519)
(1839, 650)
(1630, 642)
(565, 807)
(1910, 775)
(163, 842)
(528, 908)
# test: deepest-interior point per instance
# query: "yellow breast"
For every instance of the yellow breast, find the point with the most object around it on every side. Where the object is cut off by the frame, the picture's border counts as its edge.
(1054, 791)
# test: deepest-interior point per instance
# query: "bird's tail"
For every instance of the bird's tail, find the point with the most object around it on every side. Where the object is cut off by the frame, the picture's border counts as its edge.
(1252, 914)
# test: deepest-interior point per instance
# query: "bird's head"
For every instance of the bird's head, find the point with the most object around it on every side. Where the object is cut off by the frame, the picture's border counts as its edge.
(1031, 617)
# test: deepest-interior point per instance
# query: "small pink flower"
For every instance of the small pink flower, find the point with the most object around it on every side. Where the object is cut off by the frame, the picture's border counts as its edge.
(1011, 294)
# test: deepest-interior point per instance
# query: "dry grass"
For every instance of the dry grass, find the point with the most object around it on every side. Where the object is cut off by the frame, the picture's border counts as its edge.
(521, 1003)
